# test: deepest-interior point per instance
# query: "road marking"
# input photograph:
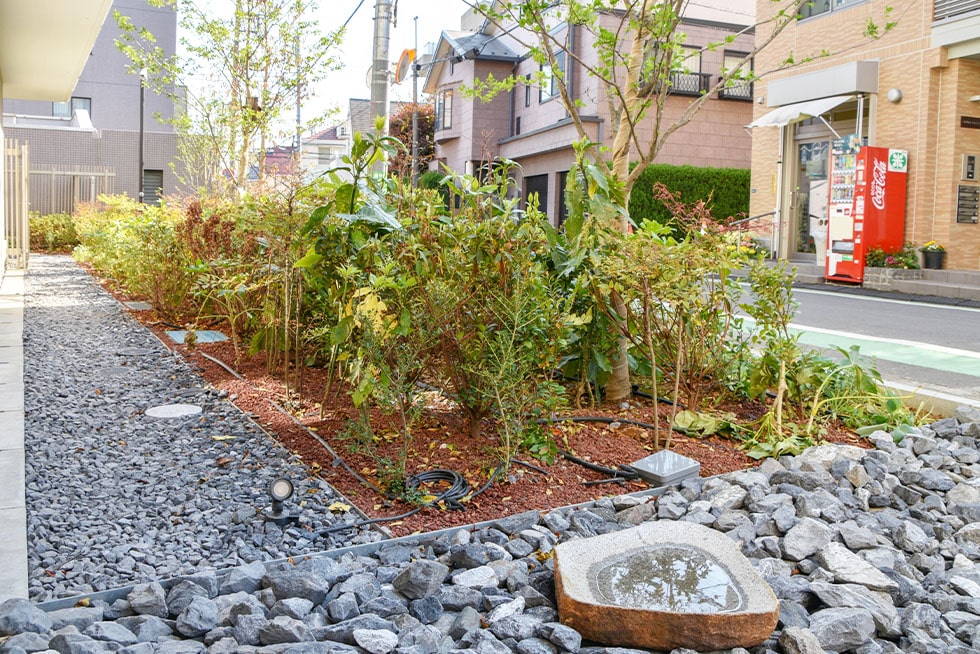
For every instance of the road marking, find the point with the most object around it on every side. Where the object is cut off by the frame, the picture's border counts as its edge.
(913, 353)
(887, 300)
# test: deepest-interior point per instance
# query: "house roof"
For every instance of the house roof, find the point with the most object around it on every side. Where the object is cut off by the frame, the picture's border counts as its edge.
(328, 134)
(457, 45)
(361, 118)
(45, 44)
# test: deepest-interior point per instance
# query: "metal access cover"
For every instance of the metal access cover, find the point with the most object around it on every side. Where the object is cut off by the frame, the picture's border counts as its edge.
(173, 411)
(203, 336)
(666, 467)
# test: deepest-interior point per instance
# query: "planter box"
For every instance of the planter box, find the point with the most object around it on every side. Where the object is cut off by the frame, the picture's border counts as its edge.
(880, 279)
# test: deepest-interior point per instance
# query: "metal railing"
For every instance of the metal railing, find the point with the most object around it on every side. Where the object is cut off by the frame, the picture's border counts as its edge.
(689, 83)
(59, 190)
(737, 91)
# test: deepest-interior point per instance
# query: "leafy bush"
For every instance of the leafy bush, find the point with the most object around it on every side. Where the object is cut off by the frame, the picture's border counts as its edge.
(52, 233)
(136, 246)
(725, 192)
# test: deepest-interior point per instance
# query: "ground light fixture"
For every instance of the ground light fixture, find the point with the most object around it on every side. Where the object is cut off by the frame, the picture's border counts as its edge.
(280, 490)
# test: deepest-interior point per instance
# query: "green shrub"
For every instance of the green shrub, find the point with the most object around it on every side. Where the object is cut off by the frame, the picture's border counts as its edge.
(896, 258)
(725, 190)
(136, 246)
(53, 233)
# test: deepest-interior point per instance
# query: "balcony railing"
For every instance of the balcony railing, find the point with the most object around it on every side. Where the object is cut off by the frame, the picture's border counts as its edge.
(689, 83)
(737, 91)
(945, 9)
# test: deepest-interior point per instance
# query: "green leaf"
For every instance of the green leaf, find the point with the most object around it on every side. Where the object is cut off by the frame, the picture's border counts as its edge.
(310, 259)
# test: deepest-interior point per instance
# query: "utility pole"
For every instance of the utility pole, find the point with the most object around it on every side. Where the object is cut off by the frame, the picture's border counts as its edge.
(379, 69)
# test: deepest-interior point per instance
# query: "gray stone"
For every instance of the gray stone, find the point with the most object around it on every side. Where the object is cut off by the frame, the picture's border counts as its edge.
(561, 635)
(198, 617)
(376, 641)
(297, 583)
(421, 578)
(847, 567)
(182, 594)
(149, 599)
(455, 598)
(480, 577)
(805, 538)
(27, 641)
(466, 621)
(110, 631)
(78, 617)
(840, 630)
(75, 643)
(247, 628)
(426, 609)
(797, 640)
(284, 629)
(856, 537)
(517, 523)
(879, 605)
(293, 607)
(343, 632)
(343, 608)
(505, 610)
(363, 585)
(517, 627)
(19, 615)
(385, 606)
(244, 578)
(536, 646)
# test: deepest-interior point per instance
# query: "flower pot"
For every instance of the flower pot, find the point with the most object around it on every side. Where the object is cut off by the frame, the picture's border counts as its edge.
(933, 259)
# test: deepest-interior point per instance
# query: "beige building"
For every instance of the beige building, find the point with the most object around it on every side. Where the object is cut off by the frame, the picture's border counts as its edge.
(915, 88)
(529, 124)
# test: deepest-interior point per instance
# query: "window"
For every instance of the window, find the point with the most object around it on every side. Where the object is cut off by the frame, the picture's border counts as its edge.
(816, 7)
(444, 109)
(152, 186)
(536, 190)
(527, 90)
(738, 88)
(686, 77)
(324, 156)
(549, 87)
(67, 109)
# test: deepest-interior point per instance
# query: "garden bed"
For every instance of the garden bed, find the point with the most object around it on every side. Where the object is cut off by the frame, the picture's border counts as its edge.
(442, 441)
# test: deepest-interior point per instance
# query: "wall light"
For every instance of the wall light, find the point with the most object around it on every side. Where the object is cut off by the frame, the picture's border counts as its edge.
(894, 95)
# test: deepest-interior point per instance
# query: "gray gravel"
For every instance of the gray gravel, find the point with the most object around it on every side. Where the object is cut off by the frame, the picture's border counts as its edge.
(869, 551)
(115, 496)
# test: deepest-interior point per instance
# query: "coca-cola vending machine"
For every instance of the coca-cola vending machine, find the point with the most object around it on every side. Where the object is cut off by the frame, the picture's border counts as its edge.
(876, 215)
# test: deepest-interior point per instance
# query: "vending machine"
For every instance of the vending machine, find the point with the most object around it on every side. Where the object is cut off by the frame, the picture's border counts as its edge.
(867, 206)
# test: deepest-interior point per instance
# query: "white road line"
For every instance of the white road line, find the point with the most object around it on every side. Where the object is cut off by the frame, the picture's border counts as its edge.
(871, 298)
(894, 341)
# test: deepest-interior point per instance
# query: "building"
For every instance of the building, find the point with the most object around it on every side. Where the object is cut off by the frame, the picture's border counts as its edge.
(88, 142)
(325, 149)
(530, 125)
(916, 88)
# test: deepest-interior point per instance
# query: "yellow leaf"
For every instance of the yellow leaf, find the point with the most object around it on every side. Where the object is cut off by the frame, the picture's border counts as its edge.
(83, 602)
(339, 507)
(396, 523)
(223, 438)
(506, 499)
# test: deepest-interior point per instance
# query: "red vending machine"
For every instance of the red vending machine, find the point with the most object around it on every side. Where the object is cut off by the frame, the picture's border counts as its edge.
(877, 208)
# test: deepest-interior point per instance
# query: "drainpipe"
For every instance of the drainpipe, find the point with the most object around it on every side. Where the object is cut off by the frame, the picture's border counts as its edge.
(513, 92)
(778, 217)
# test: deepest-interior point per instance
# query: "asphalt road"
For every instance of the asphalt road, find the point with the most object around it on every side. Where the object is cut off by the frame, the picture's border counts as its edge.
(918, 345)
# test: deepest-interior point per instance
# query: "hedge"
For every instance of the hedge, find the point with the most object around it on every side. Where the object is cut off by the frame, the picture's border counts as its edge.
(727, 188)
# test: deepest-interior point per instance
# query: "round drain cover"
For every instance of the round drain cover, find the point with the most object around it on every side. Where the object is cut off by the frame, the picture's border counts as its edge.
(173, 411)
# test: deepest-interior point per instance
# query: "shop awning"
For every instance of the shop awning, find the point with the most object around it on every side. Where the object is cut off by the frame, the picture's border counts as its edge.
(798, 111)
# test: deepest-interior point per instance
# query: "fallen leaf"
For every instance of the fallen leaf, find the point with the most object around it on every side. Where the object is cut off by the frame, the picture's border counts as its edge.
(224, 438)
(340, 507)
(83, 602)
(224, 460)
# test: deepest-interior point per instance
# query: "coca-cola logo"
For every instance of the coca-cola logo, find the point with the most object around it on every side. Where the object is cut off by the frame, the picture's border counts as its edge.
(878, 184)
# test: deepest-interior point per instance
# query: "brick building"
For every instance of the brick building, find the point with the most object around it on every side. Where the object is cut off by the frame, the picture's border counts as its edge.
(88, 143)
(529, 125)
(915, 88)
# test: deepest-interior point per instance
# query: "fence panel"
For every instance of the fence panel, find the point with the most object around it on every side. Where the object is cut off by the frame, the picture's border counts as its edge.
(16, 228)
(59, 190)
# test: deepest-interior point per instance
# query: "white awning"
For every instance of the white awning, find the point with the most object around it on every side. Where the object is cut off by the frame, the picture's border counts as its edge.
(792, 113)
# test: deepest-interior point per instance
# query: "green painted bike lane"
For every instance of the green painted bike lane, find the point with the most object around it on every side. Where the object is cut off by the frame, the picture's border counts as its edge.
(924, 355)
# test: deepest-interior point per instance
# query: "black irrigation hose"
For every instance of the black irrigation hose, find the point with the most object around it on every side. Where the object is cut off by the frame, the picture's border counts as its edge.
(458, 486)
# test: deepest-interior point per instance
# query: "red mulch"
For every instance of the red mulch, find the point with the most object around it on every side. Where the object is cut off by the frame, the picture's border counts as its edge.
(441, 440)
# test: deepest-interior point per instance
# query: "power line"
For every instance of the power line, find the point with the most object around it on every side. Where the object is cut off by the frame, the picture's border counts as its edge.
(353, 13)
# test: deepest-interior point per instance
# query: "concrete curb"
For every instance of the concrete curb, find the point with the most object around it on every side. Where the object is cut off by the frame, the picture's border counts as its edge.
(13, 508)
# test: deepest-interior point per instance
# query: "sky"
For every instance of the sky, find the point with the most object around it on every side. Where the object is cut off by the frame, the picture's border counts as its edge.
(356, 54)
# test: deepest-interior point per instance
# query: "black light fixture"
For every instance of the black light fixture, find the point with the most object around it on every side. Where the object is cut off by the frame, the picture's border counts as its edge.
(280, 490)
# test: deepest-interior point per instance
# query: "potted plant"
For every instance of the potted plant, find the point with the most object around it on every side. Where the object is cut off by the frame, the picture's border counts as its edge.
(933, 254)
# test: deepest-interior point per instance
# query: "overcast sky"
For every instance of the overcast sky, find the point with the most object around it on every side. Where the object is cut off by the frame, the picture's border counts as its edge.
(352, 81)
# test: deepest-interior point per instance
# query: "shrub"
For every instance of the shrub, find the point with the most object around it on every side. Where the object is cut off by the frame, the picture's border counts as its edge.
(53, 233)
(725, 191)
(136, 246)
(901, 258)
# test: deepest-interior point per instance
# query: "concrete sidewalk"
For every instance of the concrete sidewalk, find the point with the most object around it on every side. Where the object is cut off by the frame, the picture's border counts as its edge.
(13, 513)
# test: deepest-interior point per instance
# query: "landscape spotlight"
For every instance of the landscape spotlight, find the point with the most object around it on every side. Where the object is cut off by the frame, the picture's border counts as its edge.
(280, 490)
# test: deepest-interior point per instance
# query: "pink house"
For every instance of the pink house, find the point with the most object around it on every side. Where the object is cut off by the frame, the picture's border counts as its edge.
(529, 124)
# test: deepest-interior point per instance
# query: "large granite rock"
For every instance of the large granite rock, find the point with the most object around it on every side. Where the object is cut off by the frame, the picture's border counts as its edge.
(663, 585)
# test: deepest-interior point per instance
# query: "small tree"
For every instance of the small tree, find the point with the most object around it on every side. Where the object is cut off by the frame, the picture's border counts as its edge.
(259, 60)
(400, 126)
(639, 44)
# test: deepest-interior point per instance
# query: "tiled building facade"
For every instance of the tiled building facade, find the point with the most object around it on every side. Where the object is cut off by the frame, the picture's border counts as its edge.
(919, 87)
(530, 126)
(97, 129)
